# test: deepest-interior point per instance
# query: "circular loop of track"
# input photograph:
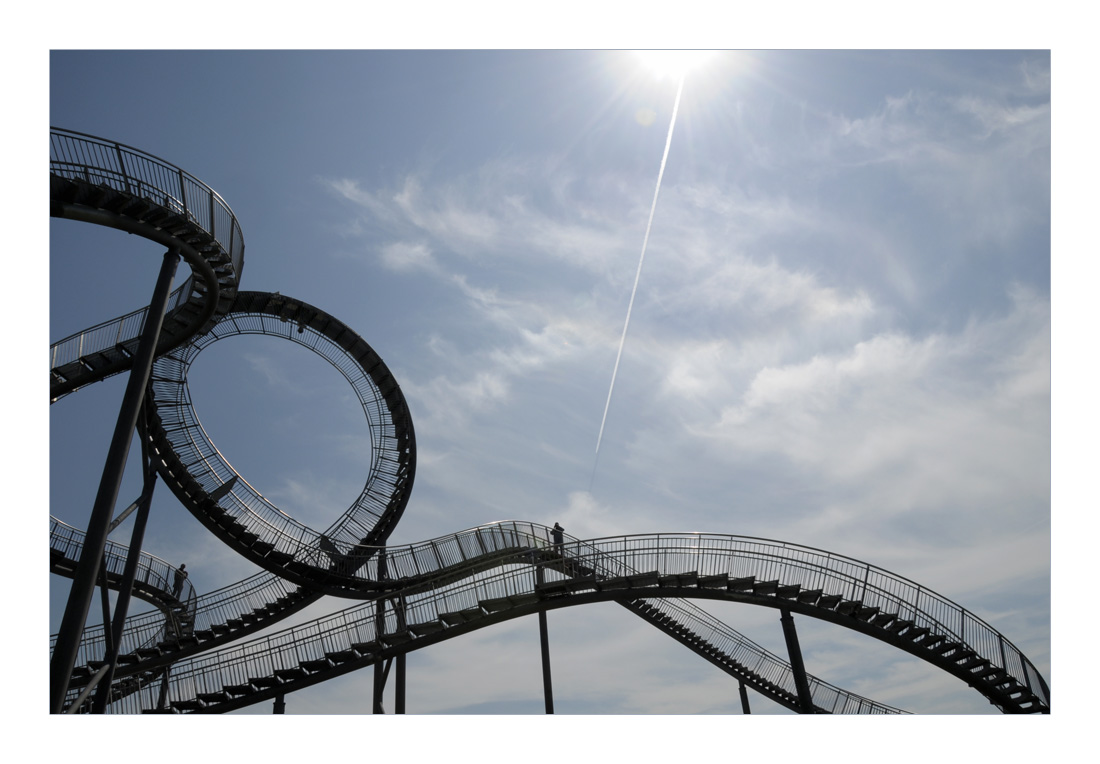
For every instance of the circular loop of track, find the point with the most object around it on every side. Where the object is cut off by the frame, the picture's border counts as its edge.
(223, 500)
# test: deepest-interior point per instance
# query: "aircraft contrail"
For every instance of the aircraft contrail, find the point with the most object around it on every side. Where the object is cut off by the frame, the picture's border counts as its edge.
(637, 276)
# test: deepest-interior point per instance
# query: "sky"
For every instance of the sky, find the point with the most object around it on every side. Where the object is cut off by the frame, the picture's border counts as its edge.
(841, 335)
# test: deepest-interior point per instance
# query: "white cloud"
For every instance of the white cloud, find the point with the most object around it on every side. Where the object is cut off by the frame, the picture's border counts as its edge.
(405, 256)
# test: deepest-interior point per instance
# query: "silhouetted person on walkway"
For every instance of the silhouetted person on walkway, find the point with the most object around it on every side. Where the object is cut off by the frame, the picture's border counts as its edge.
(558, 538)
(177, 584)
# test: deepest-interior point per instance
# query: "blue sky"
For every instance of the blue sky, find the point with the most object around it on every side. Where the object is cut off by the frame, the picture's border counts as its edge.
(841, 336)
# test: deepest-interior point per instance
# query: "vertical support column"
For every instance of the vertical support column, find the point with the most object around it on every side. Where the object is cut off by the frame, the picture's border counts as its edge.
(399, 686)
(381, 673)
(379, 686)
(379, 630)
(105, 603)
(280, 704)
(126, 587)
(544, 642)
(162, 699)
(805, 702)
(80, 595)
(744, 697)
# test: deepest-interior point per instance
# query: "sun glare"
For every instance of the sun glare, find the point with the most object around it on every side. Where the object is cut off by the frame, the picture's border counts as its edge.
(673, 64)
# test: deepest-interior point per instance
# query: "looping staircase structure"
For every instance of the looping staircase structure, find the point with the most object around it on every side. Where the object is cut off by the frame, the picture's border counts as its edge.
(192, 654)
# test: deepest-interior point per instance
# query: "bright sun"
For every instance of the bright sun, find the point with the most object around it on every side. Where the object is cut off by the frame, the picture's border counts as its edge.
(673, 63)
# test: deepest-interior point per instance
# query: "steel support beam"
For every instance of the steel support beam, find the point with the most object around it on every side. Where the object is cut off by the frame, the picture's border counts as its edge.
(544, 642)
(381, 673)
(133, 557)
(805, 701)
(380, 670)
(744, 696)
(280, 704)
(84, 578)
(399, 686)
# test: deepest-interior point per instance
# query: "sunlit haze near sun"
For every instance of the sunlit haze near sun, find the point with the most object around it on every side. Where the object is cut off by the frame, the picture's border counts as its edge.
(673, 64)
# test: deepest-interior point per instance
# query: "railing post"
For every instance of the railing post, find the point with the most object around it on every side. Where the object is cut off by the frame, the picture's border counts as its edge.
(122, 168)
(183, 192)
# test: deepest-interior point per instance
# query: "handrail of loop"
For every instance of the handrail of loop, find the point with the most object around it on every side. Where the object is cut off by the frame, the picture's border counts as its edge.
(82, 157)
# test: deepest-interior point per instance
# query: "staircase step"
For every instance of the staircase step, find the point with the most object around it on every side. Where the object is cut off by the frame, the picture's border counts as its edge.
(809, 596)
(788, 592)
(431, 627)
(847, 607)
(265, 681)
(279, 557)
(342, 656)
(316, 665)
(765, 587)
(494, 605)
(917, 632)
(742, 584)
(263, 547)
(237, 690)
(930, 640)
(642, 580)
(946, 647)
(899, 625)
(994, 675)
(553, 588)
(829, 601)
(720, 581)
(213, 697)
(613, 584)
(866, 613)
(882, 619)
(461, 616)
(290, 674)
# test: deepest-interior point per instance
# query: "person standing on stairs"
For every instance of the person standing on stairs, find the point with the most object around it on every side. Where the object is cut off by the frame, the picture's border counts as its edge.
(177, 584)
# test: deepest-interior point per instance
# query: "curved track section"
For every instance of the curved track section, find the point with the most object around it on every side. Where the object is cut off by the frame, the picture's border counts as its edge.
(423, 593)
(224, 502)
(107, 183)
(843, 591)
(517, 546)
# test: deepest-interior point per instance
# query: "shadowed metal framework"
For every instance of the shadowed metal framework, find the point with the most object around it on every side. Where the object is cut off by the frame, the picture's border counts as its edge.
(193, 653)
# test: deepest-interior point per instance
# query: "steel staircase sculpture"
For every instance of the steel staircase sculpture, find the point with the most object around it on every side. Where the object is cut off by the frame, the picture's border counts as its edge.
(192, 659)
